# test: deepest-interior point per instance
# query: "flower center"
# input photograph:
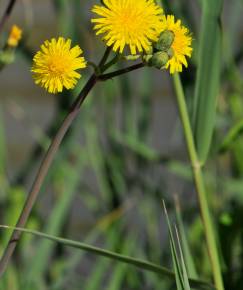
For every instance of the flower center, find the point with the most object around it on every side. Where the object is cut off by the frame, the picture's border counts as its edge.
(129, 21)
(58, 66)
(126, 18)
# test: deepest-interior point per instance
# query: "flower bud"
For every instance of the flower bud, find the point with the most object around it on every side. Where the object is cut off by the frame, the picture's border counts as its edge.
(165, 41)
(14, 36)
(159, 59)
(170, 52)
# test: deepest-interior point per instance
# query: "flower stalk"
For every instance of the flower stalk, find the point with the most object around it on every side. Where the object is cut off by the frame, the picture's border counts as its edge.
(43, 170)
(200, 185)
(53, 149)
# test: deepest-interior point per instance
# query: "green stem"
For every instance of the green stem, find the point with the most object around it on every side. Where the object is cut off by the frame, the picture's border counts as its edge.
(200, 185)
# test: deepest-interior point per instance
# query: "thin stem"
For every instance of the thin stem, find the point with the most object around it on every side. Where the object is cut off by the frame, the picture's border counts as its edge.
(111, 75)
(105, 57)
(200, 185)
(43, 170)
(94, 66)
(113, 61)
(7, 13)
(50, 154)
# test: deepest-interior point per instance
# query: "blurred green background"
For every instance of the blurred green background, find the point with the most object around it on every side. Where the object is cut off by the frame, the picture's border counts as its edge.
(124, 154)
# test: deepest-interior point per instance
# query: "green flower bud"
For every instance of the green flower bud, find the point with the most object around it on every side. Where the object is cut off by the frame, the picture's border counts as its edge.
(170, 52)
(159, 59)
(165, 41)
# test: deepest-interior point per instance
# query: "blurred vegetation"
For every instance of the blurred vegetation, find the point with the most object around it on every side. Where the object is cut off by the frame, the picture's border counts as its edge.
(109, 178)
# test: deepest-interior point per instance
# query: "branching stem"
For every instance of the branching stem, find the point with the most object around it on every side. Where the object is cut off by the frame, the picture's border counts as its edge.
(52, 151)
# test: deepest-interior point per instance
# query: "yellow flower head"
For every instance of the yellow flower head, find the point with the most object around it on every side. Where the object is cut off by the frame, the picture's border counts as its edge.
(56, 63)
(135, 23)
(14, 36)
(181, 46)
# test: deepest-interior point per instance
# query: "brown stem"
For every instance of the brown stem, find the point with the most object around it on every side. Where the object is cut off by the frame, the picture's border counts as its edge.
(48, 158)
(128, 69)
(50, 154)
(7, 13)
(105, 57)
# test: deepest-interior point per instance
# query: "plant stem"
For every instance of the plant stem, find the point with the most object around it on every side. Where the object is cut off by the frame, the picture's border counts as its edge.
(200, 185)
(105, 57)
(50, 154)
(128, 69)
(7, 13)
(43, 170)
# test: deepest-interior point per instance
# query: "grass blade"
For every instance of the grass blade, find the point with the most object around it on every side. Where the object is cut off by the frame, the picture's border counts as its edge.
(141, 264)
(101, 266)
(175, 258)
(231, 136)
(120, 271)
(66, 191)
(184, 242)
(181, 276)
(183, 265)
(208, 77)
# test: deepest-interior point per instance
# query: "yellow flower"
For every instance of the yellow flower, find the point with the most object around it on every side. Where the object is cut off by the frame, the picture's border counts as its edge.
(56, 63)
(181, 46)
(14, 36)
(135, 23)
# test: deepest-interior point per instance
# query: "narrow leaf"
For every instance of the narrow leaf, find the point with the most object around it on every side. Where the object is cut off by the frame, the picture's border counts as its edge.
(184, 242)
(175, 258)
(141, 264)
(208, 77)
(231, 136)
(183, 265)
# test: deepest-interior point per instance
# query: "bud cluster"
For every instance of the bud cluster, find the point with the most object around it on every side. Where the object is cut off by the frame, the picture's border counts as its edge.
(161, 52)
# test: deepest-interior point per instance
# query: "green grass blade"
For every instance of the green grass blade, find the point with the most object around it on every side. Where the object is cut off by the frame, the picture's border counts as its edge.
(208, 77)
(180, 269)
(64, 21)
(96, 160)
(183, 265)
(101, 266)
(66, 192)
(231, 136)
(2, 146)
(175, 258)
(10, 280)
(104, 225)
(96, 277)
(14, 207)
(178, 278)
(141, 264)
(120, 270)
(184, 242)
